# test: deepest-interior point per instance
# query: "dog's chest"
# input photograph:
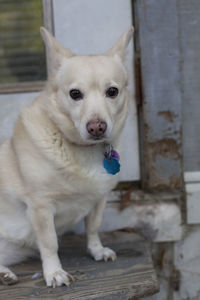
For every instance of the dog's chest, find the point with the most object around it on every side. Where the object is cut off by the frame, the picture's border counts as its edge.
(79, 187)
(79, 198)
(82, 183)
(83, 173)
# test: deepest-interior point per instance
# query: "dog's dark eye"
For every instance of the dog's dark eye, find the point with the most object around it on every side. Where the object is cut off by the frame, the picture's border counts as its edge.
(112, 92)
(76, 94)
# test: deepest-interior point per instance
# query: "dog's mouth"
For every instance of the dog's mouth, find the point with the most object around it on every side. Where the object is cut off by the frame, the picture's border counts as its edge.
(95, 141)
(91, 140)
(96, 138)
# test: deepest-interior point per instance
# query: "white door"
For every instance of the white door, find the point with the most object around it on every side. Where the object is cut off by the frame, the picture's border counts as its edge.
(92, 27)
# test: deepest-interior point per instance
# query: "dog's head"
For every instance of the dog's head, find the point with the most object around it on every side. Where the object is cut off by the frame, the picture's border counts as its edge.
(90, 100)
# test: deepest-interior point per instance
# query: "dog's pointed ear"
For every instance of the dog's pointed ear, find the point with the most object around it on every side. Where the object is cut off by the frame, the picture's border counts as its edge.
(120, 47)
(55, 52)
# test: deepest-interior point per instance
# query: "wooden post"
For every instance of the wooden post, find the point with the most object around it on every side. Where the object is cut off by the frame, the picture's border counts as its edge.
(157, 45)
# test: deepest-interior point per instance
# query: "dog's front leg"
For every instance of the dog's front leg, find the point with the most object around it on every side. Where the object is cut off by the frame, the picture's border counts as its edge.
(42, 220)
(92, 224)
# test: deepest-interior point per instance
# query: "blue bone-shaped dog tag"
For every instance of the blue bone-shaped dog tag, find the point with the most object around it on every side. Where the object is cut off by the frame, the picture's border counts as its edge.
(111, 161)
(111, 165)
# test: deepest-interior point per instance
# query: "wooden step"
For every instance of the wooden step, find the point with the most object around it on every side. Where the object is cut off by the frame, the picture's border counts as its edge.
(131, 276)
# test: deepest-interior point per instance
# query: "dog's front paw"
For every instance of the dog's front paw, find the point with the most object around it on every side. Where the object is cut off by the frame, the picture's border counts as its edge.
(8, 277)
(103, 253)
(58, 278)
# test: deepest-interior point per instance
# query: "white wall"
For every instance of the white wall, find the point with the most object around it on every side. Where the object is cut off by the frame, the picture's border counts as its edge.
(10, 106)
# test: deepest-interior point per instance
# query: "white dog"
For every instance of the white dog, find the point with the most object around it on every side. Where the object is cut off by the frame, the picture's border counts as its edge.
(62, 158)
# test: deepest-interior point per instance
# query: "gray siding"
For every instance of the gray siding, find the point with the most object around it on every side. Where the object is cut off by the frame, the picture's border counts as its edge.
(169, 46)
(189, 37)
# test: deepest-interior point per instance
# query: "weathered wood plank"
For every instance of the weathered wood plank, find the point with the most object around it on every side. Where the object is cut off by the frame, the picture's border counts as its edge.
(131, 276)
(161, 108)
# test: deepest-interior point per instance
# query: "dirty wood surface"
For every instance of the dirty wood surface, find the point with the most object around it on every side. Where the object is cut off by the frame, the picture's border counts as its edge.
(131, 276)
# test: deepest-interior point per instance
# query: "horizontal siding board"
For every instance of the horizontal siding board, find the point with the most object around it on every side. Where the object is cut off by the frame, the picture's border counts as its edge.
(22, 70)
(24, 33)
(21, 44)
(33, 14)
(16, 5)
(17, 51)
(21, 60)
(24, 78)
(20, 87)
(193, 202)
(191, 177)
(192, 189)
(20, 24)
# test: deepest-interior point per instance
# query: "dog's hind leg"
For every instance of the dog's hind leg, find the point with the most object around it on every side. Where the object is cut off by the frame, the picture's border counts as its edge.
(10, 253)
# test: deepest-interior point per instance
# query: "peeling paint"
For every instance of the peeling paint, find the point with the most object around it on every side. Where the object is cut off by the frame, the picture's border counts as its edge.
(163, 160)
(155, 181)
(167, 115)
(175, 182)
(166, 147)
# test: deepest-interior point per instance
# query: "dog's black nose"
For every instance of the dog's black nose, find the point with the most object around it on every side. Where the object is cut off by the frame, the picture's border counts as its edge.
(96, 128)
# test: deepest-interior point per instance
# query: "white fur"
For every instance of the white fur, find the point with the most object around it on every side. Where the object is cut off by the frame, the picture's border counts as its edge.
(51, 172)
